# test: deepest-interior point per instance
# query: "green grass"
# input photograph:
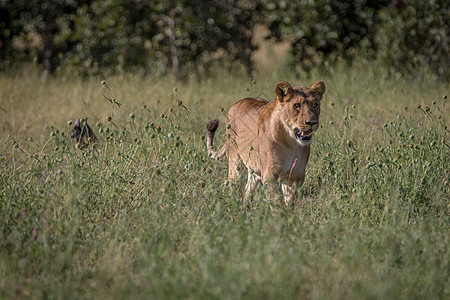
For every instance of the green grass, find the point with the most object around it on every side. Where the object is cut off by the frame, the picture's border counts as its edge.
(147, 214)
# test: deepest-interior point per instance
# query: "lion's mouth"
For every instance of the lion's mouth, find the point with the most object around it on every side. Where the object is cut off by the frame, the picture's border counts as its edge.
(303, 135)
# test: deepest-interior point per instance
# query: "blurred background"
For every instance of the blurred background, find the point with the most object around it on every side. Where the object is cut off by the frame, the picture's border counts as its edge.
(181, 37)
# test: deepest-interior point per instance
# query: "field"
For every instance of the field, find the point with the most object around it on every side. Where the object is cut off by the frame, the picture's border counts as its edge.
(145, 213)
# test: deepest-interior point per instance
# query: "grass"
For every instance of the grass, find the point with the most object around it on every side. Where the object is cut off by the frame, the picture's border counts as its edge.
(147, 214)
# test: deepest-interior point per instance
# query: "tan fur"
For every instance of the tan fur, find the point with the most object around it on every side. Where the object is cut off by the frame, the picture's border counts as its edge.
(271, 138)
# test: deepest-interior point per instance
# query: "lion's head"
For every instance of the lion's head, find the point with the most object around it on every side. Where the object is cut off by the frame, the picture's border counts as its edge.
(300, 107)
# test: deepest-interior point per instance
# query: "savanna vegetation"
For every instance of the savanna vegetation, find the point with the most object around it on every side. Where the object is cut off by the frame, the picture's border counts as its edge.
(143, 212)
(146, 213)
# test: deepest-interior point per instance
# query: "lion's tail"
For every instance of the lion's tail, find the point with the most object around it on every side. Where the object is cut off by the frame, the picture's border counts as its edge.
(211, 128)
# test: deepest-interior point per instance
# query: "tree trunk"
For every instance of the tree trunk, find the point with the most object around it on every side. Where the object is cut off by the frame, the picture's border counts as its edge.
(248, 51)
(172, 46)
(48, 35)
(245, 47)
(47, 54)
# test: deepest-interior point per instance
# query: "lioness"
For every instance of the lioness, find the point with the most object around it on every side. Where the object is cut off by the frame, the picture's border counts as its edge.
(272, 139)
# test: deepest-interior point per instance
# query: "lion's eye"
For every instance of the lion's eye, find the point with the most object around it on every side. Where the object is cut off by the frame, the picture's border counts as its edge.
(316, 105)
(297, 105)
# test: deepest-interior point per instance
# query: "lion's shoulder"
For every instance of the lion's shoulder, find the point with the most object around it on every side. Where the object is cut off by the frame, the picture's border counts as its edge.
(247, 107)
(251, 103)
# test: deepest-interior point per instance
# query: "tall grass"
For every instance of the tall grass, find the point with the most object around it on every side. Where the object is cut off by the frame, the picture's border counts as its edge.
(145, 213)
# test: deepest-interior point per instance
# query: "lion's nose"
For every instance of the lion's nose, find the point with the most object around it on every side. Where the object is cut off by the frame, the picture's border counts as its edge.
(311, 123)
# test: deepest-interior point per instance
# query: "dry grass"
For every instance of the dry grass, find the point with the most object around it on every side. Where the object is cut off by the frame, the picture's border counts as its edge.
(145, 213)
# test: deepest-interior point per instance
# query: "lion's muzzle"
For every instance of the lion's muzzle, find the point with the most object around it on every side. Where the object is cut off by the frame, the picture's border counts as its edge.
(303, 135)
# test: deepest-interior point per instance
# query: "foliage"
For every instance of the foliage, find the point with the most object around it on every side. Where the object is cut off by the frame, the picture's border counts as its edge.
(415, 35)
(329, 30)
(145, 212)
(35, 25)
(185, 36)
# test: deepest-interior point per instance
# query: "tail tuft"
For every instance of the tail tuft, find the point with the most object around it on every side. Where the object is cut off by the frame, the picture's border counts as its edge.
(212, 125)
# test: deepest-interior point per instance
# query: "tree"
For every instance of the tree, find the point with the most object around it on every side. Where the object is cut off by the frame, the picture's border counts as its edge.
(327, 30)
(414, 35)
(185, 36)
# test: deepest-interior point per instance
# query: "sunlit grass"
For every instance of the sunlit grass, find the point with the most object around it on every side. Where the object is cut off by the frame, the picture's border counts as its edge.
(146, 213)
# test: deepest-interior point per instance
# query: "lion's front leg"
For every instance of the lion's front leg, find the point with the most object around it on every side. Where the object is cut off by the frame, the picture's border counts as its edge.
(250, 187)
(289, 193)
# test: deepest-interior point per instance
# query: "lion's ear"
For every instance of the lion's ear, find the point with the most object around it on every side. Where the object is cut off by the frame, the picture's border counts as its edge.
(284, 91)
(319, 87)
